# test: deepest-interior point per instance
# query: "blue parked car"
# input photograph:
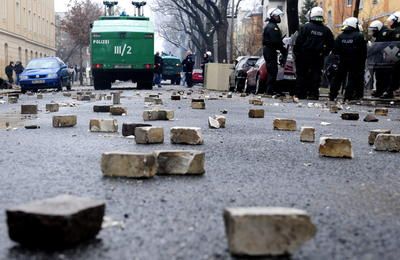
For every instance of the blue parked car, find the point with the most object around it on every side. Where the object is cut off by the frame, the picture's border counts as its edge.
(43, 73)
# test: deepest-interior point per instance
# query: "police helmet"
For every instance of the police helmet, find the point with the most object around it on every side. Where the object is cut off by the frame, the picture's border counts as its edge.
(350, 22)
(375, 26)
(394, 18)
(317, 14)
(274, 12)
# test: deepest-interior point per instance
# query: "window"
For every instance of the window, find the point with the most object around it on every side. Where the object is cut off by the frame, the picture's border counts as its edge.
(18, 14)
(26, 56)
(349, 2)
(19, 54)
(374, 2)
(361, 4)
(6, 53)
(330, 19)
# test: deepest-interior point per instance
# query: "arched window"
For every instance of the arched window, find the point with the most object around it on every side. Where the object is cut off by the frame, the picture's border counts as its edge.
(20, 54)
(36, 54)
(6, 53)
(26, 57)
(31, 55)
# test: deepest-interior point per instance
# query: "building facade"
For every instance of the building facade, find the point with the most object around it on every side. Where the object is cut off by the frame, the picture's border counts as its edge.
(338, 10)
(282, 5)
(27, 30)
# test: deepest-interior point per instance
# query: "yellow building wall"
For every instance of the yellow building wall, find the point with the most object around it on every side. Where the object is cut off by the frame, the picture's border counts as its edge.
(338, 10)
(27, 30)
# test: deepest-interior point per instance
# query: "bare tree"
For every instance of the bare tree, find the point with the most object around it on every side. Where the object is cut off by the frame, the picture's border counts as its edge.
(77, 22)
(201, 18)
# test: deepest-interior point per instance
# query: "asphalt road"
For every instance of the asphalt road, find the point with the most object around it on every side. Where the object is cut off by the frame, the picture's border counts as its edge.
(355, 203)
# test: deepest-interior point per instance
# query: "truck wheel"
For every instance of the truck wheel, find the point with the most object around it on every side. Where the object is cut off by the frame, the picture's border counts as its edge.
(98, 83)
(101, 83)
(145, 85)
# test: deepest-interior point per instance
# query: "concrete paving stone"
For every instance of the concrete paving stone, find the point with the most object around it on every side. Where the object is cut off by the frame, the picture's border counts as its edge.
(116, 97)
(256, 113)
(152, 115)
(29, 109)
(83, 98)
(213, 123)
(186, 135)
(374, 133)
(59, 222)
(198, 104)
(64, 121)
(175, 97)
(149, 135)
(334, 109)
(126, 164)
(387, 142)
(129, 128)
(256, 102)
(52, 107)
(350, 116)
(307, 134)
(101, 108)
(118, 110)
(284, 124)
(261, 231)
(381, 111)
(221, 120)
(12, 100)
(32, 127)
(180, 162)
(103, 125)
(335, 147)
(370, 118)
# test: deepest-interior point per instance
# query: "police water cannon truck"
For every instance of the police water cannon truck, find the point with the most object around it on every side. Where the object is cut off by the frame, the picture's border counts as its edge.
(122, 48)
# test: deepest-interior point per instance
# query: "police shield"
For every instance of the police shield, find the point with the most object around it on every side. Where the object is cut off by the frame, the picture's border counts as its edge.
(383, 54)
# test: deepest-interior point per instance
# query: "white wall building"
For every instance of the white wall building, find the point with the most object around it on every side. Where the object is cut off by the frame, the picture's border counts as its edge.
(281, 4)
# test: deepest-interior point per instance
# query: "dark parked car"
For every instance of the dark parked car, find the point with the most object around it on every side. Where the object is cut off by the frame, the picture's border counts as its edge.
(197, 76)
(241, 71)
(43, 73)
(172, 69)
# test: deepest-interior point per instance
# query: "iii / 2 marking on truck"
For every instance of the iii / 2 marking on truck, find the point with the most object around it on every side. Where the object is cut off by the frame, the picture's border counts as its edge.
(122, 50)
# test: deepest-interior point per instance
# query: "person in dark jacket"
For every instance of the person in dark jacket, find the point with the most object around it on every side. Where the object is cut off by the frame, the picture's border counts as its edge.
(351, 47)
(380, 33)
(206, 59)
(18, 70)
(394, 23)
(314, 42)
(272, 42)
(187, 67)
(9, 72)
(158, 66)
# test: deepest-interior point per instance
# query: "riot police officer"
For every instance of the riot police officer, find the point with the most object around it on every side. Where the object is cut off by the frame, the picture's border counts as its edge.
(381, 34)
(394, 23)
(314, 42)
(351, 47)
(272, 42)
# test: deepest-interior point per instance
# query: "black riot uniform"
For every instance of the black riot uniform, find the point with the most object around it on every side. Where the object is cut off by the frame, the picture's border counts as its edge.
(381, 74)
(395, 73)
(272, 41)
(314, 42)
(351, 47)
